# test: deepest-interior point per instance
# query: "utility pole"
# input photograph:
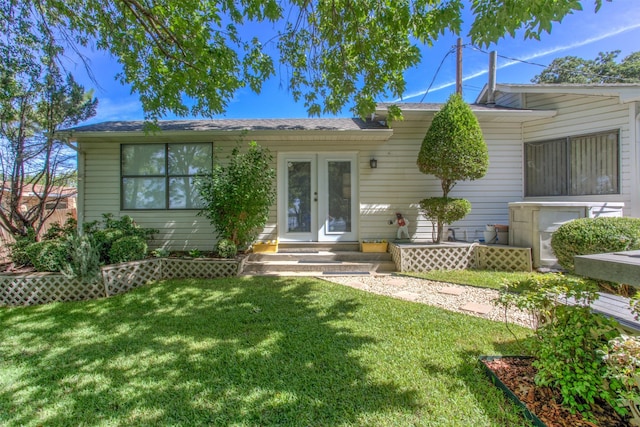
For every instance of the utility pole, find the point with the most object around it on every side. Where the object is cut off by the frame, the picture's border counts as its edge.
(459, 67)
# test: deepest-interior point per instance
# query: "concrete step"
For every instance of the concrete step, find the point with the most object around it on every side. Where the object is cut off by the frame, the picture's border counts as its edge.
(315, 267)
(320, 256)
(292, 247)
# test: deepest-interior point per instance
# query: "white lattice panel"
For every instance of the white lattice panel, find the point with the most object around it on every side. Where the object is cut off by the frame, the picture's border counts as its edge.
(198, 269)
(437, 258)
(503, 258)
(120, 278)
(43, 288)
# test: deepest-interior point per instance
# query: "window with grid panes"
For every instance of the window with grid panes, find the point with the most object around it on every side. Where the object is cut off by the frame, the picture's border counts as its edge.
(160, 176)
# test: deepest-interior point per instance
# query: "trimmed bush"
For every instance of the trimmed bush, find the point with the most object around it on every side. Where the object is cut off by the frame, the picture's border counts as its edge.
(19, 254)
(225, 248)
(128, 248)
(103, 239)
(49, 255)
(587, 236)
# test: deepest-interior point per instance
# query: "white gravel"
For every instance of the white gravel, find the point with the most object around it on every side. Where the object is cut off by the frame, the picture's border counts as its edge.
(462, 299)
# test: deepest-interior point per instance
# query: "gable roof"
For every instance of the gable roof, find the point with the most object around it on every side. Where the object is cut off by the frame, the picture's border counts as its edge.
(233, 125)
(627, 92)
(485, 113)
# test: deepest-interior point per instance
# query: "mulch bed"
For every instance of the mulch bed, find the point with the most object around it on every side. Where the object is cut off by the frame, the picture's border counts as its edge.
(518, 375)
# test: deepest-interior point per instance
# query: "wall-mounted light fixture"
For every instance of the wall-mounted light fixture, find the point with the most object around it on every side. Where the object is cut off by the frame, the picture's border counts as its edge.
(373, 163)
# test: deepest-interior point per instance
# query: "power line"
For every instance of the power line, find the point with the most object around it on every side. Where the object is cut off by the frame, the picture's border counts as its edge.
(453, 49)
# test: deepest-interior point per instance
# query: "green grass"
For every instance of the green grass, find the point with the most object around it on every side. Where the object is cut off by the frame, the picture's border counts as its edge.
(247, 352)
(479, 278)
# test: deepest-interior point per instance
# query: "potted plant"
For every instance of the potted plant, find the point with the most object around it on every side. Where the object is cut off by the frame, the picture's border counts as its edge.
(373, 246)
(270, 246)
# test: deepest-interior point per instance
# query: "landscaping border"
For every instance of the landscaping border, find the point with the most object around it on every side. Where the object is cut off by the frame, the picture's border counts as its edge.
(43, 288)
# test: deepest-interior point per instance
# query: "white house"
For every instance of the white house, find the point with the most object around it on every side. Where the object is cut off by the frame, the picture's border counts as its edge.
(547, 143)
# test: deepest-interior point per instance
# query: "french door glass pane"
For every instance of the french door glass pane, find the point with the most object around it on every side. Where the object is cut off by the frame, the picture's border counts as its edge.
(299, 196)
(339, 179)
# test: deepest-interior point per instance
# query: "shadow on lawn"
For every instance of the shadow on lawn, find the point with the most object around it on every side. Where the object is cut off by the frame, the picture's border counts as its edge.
(254, 351)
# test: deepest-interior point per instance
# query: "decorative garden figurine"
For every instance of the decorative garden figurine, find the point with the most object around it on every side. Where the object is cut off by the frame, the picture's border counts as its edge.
(403, 225)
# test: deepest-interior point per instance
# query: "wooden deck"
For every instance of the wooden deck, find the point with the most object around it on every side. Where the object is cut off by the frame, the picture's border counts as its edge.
(619, 267)
(617, 307)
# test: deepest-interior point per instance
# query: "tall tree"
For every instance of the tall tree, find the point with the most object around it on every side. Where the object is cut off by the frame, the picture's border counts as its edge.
(35, 102)
(602, 69)
(191, 57)
(452, 150)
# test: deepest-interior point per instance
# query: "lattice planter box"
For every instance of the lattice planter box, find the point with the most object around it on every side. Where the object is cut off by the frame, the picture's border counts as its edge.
(457, 256)
(43, 288)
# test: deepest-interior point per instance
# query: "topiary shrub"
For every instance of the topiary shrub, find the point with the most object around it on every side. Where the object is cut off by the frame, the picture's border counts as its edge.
(453, 150)
(225, 248)
(444, 209)
(128, 248)
(587, 236)
(49, 255)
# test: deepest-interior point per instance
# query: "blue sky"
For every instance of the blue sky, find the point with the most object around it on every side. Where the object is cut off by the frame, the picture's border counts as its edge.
(615, 27)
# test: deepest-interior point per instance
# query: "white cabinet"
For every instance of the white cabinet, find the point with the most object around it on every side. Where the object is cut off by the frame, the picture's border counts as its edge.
(531, 224)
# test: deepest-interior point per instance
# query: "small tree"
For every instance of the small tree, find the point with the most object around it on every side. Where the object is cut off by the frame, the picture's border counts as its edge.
(237, 196)
(453, 150)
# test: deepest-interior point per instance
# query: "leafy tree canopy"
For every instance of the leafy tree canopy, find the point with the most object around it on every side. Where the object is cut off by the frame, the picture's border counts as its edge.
(603, 69)
(454, 148)
(190, 57)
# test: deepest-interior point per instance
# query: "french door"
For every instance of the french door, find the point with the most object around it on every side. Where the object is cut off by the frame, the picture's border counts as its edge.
(317, 197)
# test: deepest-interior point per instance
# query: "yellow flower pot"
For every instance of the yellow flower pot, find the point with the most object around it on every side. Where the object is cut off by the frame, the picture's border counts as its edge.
(265, 247)
(373, 247)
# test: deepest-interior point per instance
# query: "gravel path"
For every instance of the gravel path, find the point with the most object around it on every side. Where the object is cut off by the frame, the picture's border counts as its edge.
(462, 299)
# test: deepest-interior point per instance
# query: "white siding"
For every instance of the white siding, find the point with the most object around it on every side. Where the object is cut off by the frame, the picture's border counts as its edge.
(580, 115)
(179, 230)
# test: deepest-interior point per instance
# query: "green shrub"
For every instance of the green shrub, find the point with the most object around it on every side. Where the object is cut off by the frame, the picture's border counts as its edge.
(19, 254)
(103, 240)
(567, 337)
(587, 236)
(567, 357)
(83, 259)
(444, 209)
(225, 248)
(238, 194)
(48, 255)
(128, 248)
(57, 231)
(622, 357)
(105, 234)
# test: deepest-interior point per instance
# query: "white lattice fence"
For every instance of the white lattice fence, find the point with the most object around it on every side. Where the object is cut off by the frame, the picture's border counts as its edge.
(43, 288)
(419, 258)
(432, 257)
(120, 278)
(503, 258)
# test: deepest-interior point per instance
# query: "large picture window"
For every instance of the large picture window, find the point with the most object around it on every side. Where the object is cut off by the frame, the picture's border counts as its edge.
(574, 166)
(160, 176)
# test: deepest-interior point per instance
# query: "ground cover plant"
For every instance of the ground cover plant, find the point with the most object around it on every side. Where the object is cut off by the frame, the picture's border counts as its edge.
(249, 351)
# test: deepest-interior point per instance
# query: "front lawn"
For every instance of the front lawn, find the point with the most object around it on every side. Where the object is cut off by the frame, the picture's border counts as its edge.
(246, 352)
